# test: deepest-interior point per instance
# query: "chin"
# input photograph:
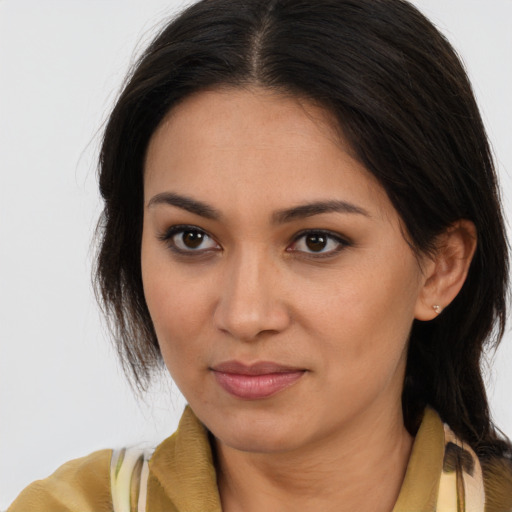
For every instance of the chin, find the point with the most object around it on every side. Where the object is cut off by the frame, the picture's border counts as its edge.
(258, 431)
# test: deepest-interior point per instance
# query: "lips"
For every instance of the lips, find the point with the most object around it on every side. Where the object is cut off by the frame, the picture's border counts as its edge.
(256, 381)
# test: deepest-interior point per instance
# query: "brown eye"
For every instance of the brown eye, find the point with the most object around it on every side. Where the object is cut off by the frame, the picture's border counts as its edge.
(183, 239)
(316, 243)
(192, 239)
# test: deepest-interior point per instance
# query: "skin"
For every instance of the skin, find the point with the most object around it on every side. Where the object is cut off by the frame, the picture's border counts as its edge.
(254, 290)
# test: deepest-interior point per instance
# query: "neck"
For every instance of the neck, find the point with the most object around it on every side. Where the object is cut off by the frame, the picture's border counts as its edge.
(332, 474)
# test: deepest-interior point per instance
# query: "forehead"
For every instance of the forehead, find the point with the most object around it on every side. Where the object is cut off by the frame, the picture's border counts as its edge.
(240, 146)
(266, 108)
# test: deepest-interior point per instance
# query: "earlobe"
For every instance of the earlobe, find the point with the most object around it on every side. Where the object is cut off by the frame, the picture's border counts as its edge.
(447, 269)
(437, 308)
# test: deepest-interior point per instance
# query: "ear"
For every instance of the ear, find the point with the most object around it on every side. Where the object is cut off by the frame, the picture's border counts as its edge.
(446, 271)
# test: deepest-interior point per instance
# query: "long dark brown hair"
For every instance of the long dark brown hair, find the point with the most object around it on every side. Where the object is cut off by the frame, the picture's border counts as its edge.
(403, 101)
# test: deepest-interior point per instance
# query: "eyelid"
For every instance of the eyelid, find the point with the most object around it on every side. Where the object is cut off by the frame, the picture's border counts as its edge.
(342, 243)
(170, 232)
(167, 236)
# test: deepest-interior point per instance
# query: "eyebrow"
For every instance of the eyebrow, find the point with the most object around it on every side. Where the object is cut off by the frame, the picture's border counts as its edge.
(316, 208)
(279, 217)
(185, 203)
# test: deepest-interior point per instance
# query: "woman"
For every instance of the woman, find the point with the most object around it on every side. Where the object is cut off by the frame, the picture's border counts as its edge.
(302, 222)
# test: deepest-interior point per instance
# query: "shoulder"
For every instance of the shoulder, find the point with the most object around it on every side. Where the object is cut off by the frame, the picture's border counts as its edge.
(80, 485)
(497, 473)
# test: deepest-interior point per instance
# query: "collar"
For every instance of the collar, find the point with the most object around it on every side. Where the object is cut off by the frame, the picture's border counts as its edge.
(184, 468)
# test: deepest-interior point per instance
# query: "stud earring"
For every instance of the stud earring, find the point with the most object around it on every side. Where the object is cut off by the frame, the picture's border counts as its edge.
(437, 308)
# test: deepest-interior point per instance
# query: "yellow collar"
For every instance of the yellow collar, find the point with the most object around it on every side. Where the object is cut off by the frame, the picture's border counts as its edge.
(183, 472)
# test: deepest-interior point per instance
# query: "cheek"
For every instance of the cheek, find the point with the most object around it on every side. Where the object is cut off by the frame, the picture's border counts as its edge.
(178, 311)
(177, 304)
(179, 319)
(365, 323)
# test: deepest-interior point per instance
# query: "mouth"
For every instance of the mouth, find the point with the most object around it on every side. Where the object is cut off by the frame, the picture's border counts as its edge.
(256, 381)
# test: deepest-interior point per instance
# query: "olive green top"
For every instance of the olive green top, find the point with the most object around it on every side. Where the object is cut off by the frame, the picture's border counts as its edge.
(182, 477)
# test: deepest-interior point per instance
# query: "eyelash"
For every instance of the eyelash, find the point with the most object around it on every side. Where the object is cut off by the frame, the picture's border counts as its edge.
(169, 234)
(342, 243)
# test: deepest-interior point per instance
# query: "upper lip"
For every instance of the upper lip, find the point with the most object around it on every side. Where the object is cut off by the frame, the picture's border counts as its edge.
(258, 368)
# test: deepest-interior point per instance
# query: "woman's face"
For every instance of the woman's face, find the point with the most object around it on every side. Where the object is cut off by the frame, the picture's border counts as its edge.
(275, 270)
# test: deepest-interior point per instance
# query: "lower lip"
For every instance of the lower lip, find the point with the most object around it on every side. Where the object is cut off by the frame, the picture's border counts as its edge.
(255, 387)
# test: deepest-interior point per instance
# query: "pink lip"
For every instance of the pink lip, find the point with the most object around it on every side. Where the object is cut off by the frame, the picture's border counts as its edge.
(256, 381)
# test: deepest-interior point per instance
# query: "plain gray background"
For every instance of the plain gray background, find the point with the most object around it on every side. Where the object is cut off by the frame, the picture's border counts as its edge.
(62, 394)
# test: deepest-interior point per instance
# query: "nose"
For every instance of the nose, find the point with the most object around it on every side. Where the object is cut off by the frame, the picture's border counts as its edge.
(250, 304)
